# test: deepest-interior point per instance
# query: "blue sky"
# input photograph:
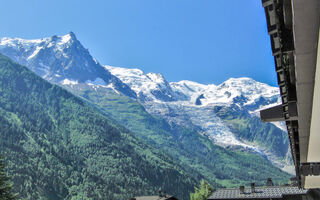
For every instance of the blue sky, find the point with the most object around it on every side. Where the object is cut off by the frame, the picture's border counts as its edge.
(207, 41)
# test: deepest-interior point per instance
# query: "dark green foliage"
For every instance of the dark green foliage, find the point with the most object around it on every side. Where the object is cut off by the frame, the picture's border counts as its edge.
(220, 166)
(59, 147)
(202, 192)
(5, 184)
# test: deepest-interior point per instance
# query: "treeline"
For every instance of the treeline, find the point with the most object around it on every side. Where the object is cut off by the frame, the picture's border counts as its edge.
(222, 167)
(59, 147)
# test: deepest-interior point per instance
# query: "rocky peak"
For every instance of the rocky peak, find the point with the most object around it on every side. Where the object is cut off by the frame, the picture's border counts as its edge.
(60, 59)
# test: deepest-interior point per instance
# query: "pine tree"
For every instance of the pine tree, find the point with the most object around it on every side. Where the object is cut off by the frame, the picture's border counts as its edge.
(5, 184)
(203, 192)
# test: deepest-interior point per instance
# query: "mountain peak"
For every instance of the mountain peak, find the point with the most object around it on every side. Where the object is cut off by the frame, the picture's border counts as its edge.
(64, 39)
(30, 45)
(61, 59)
(72, 35)
(245, 82)
(130, 72)
(68, 38)
(240, 80)
(156, 77)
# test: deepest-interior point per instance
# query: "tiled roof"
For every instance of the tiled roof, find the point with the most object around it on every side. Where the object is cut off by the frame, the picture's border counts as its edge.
(261, 192)
(154, 198)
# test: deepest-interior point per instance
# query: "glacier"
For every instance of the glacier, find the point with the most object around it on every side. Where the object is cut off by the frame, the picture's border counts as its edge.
(64, 61)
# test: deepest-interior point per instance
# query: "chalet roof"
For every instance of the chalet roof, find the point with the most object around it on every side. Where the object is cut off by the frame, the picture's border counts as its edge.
(155, 198)
(261, 193)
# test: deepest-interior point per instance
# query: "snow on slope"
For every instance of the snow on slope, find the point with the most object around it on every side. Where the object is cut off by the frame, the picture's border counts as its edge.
(189, 91)
(62, 60)
(40, 54)
(192, 103)
(148, 87)
(136, 79)
(30, 48)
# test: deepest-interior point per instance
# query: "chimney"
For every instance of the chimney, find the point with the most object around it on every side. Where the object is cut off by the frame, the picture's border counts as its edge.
(294, 181)
(159, 192)
(241, 188)
(164, 194)
(253, 189)
(269, 182)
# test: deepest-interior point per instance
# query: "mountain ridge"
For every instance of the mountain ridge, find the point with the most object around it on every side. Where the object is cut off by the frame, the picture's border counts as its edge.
(185, 103)
(70, 61)
(193, 103)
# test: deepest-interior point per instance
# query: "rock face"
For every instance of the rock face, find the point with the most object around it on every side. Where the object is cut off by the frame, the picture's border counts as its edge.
(228, 113)
(61, 59)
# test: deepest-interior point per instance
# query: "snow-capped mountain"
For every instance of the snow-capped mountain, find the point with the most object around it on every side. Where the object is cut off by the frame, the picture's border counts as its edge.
(192, 104)
(246, 93)
(154, 86)
(148, 87)
(61, 59)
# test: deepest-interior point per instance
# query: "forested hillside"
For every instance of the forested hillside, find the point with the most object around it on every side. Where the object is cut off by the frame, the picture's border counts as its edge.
(58, 147)
(155, 109)
(227, 167)
(126, 132)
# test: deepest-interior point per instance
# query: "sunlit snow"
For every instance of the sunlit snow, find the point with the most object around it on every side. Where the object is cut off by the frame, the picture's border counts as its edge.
(97, 81)
(68, 82)
(184, 110)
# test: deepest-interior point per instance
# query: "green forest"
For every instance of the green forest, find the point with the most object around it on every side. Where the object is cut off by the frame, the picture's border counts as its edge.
(220, 166)
(6, 185)
(60, 146)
